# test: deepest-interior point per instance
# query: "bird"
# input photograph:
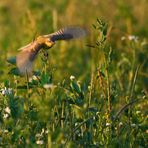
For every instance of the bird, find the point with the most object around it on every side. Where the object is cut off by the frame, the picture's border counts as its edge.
(27, 55)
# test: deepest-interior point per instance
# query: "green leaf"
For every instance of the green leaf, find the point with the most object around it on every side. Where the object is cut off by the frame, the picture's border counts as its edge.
(14, 71)
(22, 87)
(37, 73)
(92, 109)
(75, 87)
(79, 101)
(7, 83)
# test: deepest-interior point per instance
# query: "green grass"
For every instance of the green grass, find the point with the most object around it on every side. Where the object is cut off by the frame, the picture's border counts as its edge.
(88, 93)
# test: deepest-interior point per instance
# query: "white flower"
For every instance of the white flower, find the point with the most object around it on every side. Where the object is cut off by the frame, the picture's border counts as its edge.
(47, 86)
(138, 112)
(6, 131)
(40, 142)
(107, 124)
(7, 110)
(6, 91)
(120, 123)
(132, 38)
(133, 125)
(5, 116)
(34, 77)
(3, 91)
(72, 77)
(76, 124)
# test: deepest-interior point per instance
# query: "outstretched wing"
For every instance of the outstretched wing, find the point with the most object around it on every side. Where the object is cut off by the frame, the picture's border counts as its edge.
(67, 34)
(25, 58)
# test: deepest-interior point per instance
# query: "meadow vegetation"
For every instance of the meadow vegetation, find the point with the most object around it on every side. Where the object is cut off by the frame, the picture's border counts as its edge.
(90, 92)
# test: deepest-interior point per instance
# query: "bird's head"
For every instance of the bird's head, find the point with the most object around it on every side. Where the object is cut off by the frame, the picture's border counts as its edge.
(48, 43)
(45, 41)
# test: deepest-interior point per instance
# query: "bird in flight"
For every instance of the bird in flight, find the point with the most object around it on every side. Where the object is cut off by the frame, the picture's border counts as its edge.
(28, 53)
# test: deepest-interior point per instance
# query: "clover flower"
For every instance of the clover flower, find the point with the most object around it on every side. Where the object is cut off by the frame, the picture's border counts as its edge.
(6, 91)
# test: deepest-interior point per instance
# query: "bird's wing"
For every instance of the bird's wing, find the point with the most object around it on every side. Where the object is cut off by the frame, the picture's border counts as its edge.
(25, 58)
(67, 34)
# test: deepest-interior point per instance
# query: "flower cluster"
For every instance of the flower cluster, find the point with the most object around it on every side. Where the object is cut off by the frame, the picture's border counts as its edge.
(7, 112)
(130, 38)
(6, 91)
(39, 136)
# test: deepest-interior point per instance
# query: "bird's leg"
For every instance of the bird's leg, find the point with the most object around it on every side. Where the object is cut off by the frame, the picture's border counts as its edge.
(45, 60)
(45, 55)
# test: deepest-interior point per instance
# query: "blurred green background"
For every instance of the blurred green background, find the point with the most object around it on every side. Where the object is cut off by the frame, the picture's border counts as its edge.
(21, 21)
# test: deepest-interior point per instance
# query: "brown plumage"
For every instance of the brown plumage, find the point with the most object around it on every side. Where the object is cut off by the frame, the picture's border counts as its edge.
(28, 53)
